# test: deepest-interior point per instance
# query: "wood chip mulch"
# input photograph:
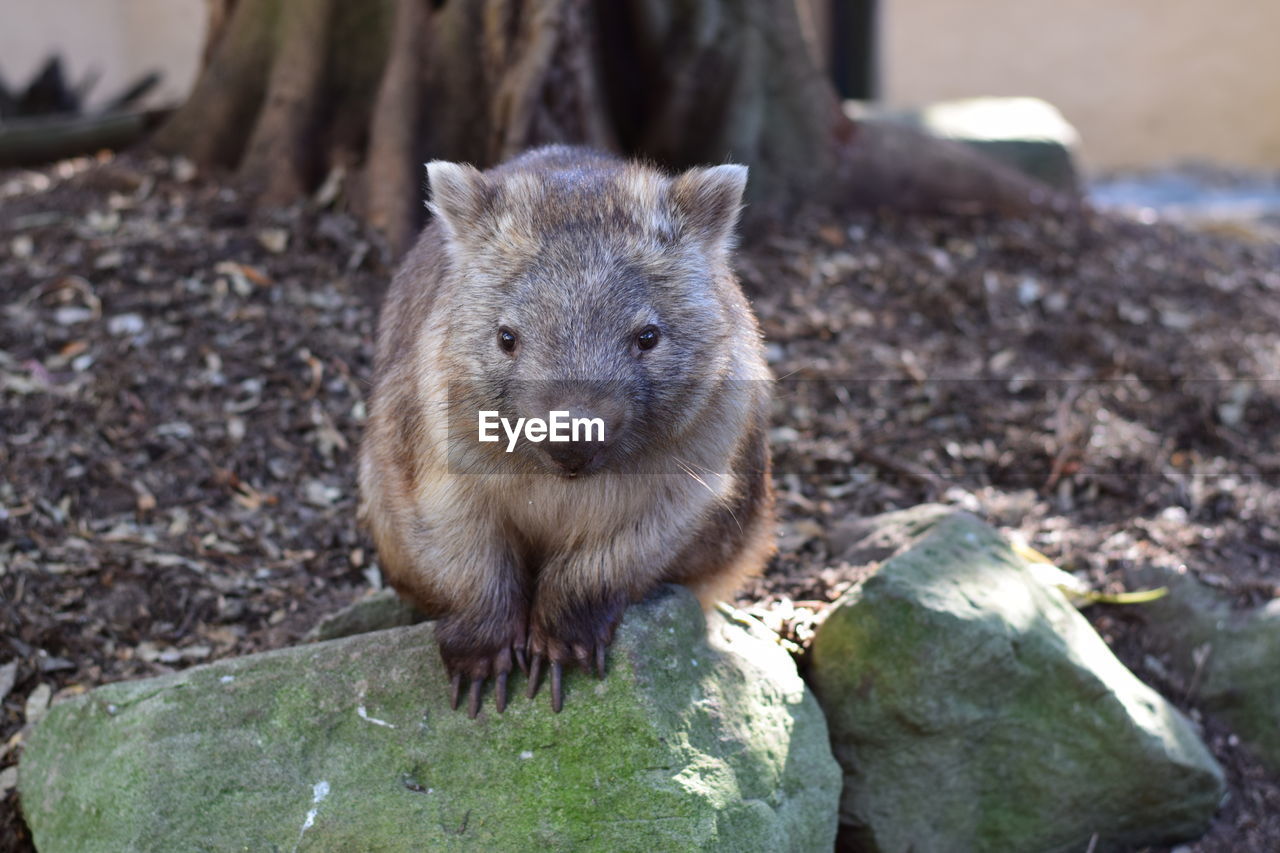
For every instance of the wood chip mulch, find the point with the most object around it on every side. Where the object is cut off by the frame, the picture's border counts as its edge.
(182, 386)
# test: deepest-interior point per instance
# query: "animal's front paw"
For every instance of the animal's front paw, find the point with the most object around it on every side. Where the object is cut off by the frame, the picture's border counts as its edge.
(579, 633)
(466, 656)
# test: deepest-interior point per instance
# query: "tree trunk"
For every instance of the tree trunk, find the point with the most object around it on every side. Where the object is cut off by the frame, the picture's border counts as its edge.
(697, 82)
(212, 127)
(394, 132)
(277, 160)
(293, 89)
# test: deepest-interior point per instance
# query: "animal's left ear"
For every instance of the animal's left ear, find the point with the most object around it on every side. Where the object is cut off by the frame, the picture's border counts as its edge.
(708, 200)
(459, 196)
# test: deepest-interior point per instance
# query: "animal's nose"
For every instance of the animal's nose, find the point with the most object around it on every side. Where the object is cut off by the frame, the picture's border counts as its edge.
(573, 457)
(581, 431)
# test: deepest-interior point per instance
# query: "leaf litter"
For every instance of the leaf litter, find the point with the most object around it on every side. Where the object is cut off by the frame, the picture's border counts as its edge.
(182, 387)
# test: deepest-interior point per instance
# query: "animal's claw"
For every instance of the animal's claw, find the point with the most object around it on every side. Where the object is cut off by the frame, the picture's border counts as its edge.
(582, 655)
(557, 687)
(455, 689)
(500, 691)
(477, 667)
(564, 640)
(535, 675)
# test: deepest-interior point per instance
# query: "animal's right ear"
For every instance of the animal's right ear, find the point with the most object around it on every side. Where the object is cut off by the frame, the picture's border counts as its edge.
(708, 201)
(459, 195)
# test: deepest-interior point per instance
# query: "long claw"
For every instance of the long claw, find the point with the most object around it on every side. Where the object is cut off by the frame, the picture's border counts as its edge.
(473, 705)
(599, 660)
(557, 692)
(500, 691)
(535, 675)
(455, 689)
(522, 659)
(582, 655)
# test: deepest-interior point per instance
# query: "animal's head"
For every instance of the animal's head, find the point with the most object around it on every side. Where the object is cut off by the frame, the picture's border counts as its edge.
(600, 289)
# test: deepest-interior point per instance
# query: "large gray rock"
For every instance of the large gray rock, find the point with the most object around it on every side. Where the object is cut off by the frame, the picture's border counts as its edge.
(701, 737)
(375, 612)
(1228, 659)
(1028, 134)
(973, 708)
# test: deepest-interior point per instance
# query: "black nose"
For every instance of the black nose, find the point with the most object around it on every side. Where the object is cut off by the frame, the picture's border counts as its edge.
(588, 424)
(574, 457)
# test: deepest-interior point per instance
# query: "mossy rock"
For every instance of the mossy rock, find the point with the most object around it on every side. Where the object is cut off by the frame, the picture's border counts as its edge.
(701, 737)
(375, 612)
(973, 708)
(1228, 659)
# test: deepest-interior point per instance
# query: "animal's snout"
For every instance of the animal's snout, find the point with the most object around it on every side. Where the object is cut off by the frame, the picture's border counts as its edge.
(583, 423)
(574, 457)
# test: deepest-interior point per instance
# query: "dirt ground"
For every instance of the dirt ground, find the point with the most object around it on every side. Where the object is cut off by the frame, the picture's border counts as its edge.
(182, 383)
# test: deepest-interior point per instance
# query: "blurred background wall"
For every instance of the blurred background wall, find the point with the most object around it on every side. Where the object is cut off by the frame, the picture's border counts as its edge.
(118, 39)
(1146, 82)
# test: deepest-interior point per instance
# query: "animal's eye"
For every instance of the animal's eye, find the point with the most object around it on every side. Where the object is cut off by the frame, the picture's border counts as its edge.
(648, 337)
(506, 339)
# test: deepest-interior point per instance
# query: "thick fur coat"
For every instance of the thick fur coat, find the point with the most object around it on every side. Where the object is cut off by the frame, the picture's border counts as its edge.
(566, 279)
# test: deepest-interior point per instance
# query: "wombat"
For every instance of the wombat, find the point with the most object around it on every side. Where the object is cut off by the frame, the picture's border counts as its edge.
(566, 281)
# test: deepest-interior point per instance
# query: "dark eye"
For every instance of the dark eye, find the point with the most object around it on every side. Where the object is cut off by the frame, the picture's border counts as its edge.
(506, 339)
(648, 337)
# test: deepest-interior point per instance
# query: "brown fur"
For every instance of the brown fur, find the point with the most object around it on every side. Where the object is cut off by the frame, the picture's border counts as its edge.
(577, 251)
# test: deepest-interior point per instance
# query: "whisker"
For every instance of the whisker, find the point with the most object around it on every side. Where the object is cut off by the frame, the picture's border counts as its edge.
(685, 465)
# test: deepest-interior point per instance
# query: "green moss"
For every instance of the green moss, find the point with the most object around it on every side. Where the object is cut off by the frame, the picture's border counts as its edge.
(690, 743)
(953, 678)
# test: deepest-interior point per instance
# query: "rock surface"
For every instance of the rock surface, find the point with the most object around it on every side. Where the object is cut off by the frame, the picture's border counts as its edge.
(701, 737)
(375, 612)
(1228, 660)
(973, 708)
(1028, 134)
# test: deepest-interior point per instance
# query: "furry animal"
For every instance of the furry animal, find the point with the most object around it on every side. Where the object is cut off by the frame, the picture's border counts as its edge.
(566, 280)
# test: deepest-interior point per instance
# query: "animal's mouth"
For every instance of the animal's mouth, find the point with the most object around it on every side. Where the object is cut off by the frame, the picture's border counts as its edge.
(576, 469)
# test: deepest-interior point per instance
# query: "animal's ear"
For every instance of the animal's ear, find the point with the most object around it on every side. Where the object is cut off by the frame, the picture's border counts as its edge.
(707, 201)
(460, 195)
